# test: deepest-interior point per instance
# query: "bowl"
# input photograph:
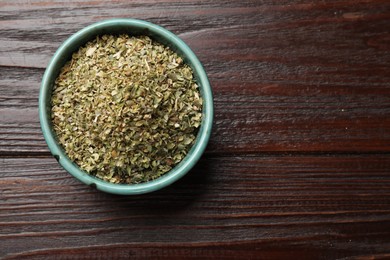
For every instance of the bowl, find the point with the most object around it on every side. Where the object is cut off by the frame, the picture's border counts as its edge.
(131, 27)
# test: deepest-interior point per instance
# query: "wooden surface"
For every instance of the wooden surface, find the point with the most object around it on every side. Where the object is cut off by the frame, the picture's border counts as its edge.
(298, 165)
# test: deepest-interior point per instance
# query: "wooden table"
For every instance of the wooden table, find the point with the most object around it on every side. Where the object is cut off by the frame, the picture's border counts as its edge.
(298, 165)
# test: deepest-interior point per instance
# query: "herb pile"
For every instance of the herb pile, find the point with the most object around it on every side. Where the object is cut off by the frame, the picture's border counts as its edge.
(126, 109)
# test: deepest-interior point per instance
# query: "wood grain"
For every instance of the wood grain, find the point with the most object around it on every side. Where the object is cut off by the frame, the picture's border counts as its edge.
(252, 118)
(302, 77)
(299, 158)
(314, 206)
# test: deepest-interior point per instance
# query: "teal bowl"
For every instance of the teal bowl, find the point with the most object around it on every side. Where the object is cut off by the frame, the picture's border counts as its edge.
(130, 27)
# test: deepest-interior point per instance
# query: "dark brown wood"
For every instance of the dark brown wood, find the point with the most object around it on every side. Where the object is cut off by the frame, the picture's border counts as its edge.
(298, 165)
(313, 206)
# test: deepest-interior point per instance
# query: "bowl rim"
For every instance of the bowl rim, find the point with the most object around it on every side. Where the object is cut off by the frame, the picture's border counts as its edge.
(127, 189)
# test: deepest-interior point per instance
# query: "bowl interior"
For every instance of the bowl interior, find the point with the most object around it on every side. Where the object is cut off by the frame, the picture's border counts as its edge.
(131, 27)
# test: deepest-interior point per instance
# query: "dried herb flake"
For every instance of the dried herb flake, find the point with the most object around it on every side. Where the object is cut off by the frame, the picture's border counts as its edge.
(126, 109)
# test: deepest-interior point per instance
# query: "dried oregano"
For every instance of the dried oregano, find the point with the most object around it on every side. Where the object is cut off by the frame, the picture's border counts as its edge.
(126, 109)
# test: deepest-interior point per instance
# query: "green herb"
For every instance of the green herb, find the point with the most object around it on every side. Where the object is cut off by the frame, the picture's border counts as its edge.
(126, 109)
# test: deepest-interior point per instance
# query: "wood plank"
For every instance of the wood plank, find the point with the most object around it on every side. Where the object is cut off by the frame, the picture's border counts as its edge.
(20, 132)
(249, 117)
(298, 162)
(286, 77)
(228, 206)
(31, 31)
(19, 89)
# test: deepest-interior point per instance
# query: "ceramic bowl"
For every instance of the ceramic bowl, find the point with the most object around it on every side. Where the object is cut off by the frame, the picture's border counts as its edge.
(131, 27)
